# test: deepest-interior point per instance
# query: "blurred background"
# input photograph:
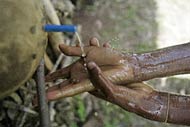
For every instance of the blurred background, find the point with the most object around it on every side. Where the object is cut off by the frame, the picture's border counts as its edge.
(129, 25)
(136, 26)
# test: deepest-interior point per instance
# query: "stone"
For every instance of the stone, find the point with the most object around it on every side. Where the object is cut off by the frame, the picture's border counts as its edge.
(21, 42)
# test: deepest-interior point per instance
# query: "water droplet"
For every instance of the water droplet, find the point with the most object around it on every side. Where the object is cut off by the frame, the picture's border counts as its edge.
(83, 54)
(80, 44)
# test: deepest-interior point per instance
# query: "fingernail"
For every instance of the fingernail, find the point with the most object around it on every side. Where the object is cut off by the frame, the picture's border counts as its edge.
(94, 41)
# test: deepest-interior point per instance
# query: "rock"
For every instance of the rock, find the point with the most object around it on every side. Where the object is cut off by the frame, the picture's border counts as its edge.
(22, 42)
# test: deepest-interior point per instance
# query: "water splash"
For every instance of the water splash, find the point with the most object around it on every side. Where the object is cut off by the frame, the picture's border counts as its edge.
(115, 39)
(81, 45)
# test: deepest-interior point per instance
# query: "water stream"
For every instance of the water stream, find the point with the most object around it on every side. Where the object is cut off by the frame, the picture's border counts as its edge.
(81, 45)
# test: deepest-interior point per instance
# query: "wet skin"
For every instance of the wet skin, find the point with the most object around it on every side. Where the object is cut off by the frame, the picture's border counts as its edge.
(119, 72)
(141, 99)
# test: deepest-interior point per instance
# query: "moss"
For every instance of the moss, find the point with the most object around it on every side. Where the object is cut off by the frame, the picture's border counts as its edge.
(81, 112)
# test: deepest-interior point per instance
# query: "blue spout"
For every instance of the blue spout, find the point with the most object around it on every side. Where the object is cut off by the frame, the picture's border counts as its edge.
(60, 28)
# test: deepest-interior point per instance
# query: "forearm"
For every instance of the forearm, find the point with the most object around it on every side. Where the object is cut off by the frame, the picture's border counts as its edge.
(179, 109)
(160, 63)
(160, 106)
(173, 108)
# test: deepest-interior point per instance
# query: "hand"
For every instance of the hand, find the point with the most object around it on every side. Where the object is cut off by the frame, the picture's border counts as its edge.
(103, 56)
(108, 59)
(137, 97)
(141, 99)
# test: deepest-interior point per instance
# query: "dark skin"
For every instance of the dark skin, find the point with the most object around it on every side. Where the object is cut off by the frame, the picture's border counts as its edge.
(76, 74)
(107, 58)
(141, 99)
(138, 67)
(122, 70)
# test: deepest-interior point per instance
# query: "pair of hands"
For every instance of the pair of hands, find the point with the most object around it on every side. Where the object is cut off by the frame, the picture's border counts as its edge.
(136, 97)
(103, 61)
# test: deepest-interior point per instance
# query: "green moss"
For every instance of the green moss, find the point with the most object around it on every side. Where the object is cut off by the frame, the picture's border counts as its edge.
(81, 112)
(73, 124)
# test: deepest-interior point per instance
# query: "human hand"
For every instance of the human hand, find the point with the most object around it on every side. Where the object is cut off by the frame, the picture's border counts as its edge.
(109, 60)
(141, 99)
(104, 56)
(115, 85)
(138, 98)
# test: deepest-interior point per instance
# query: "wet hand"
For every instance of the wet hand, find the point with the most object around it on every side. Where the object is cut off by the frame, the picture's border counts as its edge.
(104, 56)
(109, 91)
(136, 97)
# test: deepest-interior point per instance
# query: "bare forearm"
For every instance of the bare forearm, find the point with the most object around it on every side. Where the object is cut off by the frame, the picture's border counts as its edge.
(159, 106)
(179, 109)
(160, 63)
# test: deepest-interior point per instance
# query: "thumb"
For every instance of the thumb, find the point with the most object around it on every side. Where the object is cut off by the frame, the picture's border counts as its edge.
(99, 80)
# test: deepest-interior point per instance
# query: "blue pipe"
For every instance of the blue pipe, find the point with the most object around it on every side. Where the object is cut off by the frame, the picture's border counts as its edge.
(60, 28)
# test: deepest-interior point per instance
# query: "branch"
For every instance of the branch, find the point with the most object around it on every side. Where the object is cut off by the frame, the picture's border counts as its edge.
(44, 113)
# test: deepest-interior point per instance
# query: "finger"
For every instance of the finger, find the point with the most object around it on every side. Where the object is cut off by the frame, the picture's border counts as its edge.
(61, 73)
(57, 92)
(70, 50)
(52, 92)
(60, 85)
(94, 42)
(69, 90)
(140, 87)
(107, 45)
(99, 80)
(73, 50)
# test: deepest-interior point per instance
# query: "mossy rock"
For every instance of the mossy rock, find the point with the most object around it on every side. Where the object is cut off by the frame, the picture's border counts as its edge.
(22, 42)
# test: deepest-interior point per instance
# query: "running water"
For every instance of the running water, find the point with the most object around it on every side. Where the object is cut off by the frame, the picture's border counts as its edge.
(83, 55)
(81, 45)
